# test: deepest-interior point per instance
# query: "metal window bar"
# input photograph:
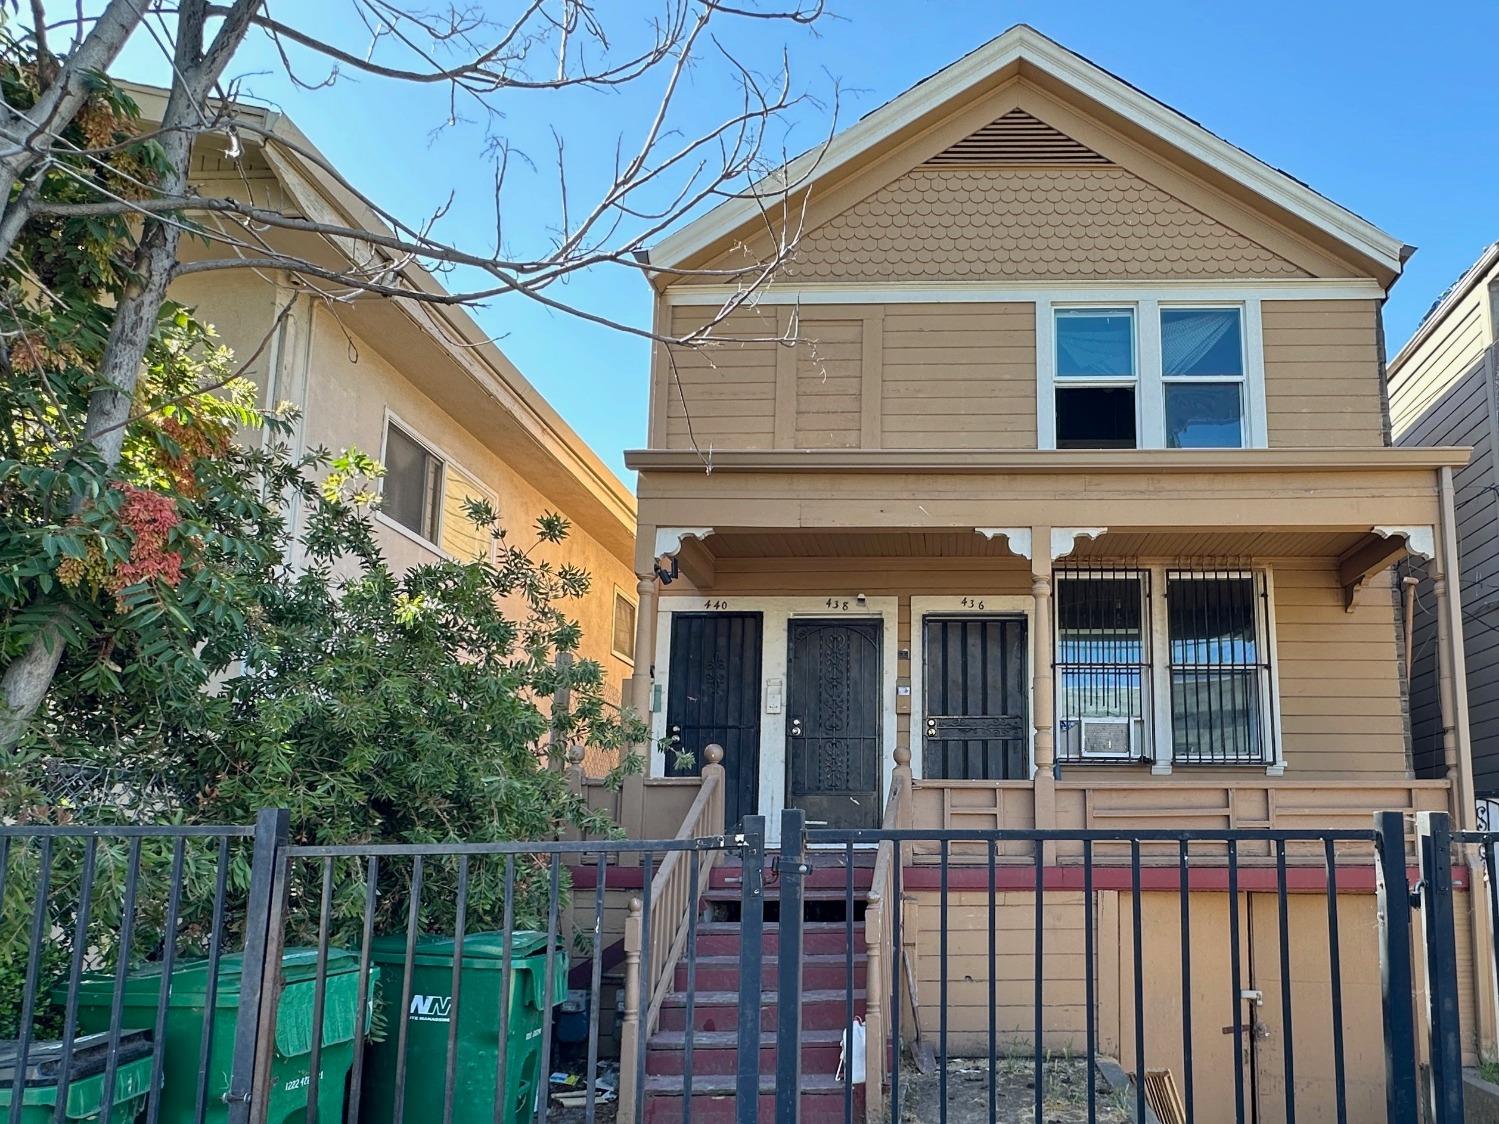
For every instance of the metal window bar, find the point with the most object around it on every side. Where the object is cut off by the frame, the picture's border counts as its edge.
(1102, 662)
(1218, 665)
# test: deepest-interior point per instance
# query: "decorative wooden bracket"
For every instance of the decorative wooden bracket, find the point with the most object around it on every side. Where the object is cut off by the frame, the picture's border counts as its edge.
(685, 545)
(1063, 539)
(1018, 539)
(1376, 555)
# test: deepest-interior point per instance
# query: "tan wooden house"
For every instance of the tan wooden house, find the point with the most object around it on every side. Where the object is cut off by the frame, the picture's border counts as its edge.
(1073, 504)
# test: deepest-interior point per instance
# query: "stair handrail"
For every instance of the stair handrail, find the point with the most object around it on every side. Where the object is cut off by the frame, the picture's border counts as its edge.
(879, 932)
(671, 912)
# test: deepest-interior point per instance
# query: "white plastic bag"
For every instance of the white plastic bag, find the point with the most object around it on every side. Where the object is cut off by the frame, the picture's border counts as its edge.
(857, 1067)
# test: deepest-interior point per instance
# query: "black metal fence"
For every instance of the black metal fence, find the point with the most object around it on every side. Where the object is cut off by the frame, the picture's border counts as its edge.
(101, 926)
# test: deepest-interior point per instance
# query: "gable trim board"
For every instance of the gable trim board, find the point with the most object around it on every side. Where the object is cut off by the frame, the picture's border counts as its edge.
(1023, 45)
(988, 292)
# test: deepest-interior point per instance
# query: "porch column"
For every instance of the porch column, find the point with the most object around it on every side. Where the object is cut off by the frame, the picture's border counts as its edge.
(1043, 780)
(645, 648)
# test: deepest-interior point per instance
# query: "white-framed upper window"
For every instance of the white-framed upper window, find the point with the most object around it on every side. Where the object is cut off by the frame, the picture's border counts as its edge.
(1165, 664)
(1202, 375)
(1096, 378)
(425, 494)
(1156, 373)
(412, 487)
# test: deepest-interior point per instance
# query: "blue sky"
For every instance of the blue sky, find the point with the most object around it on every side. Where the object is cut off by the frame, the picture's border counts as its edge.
(1390, 108)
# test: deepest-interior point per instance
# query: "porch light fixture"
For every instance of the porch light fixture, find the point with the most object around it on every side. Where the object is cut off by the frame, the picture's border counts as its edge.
(665, 576)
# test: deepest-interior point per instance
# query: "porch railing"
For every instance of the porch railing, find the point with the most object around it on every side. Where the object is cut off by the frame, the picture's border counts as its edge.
(657, 928)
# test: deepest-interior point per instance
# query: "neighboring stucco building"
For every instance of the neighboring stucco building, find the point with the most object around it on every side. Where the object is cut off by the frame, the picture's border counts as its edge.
(420, 387)
(1444, 390)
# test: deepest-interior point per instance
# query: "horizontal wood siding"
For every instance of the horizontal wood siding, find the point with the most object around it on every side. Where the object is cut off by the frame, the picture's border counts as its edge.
(1337, 672)
(1426, 375)
(721, 395)
(829, 384)
(1460, 415)
(1322, 374)
(1340, 704)
(960, 376)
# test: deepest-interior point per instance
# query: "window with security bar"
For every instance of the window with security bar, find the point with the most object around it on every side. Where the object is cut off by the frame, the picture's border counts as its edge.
(1218, 663)
(1102, 664)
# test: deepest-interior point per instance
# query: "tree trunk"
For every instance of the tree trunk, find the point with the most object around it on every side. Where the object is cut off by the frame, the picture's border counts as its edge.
(29, 675)
(33, 131)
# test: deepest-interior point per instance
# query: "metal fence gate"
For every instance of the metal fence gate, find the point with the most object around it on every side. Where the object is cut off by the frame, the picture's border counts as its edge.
(1024, 938)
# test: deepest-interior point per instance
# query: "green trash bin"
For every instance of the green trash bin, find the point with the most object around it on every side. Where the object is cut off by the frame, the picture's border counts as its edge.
(478, 1027)
(37, 1078)
(290, 1067)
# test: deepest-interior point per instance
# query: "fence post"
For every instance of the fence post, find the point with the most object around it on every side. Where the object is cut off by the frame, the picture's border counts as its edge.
(793, 871)
(1393, 889)
(1434, 840)
(635, 1002)
(751, 963)
(255, 1024)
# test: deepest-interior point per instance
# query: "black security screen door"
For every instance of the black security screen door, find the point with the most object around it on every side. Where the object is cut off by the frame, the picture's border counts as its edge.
(714, 697)
(976, 717)
(833, 721)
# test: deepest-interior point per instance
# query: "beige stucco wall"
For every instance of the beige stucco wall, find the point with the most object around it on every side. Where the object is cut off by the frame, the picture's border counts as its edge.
(344, 388)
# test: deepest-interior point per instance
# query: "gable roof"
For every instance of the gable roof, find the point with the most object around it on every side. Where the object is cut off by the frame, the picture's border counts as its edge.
(1022, 45)
(521, 427)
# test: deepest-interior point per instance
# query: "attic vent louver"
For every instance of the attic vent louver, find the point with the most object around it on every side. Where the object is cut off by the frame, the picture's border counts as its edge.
(1017, 138)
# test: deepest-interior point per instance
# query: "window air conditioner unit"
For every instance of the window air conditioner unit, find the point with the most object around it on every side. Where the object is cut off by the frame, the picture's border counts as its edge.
(1108, 738)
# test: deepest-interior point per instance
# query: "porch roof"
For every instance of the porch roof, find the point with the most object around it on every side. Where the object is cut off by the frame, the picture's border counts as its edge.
(1259, 502)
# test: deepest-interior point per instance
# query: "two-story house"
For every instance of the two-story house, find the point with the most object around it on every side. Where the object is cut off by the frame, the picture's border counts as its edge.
(420, 387)
(1055, 468)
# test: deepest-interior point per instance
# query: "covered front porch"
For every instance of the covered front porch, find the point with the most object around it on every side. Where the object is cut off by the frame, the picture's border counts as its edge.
(1215, 642)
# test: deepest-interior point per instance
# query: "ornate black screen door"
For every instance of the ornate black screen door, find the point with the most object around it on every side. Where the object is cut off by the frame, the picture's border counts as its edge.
(976, 722)
(714, 697)
(833, 721)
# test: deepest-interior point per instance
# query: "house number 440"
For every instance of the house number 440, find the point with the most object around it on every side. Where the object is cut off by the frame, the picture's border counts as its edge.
(715, 604)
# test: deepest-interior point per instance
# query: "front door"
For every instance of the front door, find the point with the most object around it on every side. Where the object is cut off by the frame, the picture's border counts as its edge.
(714, 697)
(833, 721)
(976, 723)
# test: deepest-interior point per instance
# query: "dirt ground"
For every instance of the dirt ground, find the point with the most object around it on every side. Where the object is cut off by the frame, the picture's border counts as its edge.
(1065, 1099)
